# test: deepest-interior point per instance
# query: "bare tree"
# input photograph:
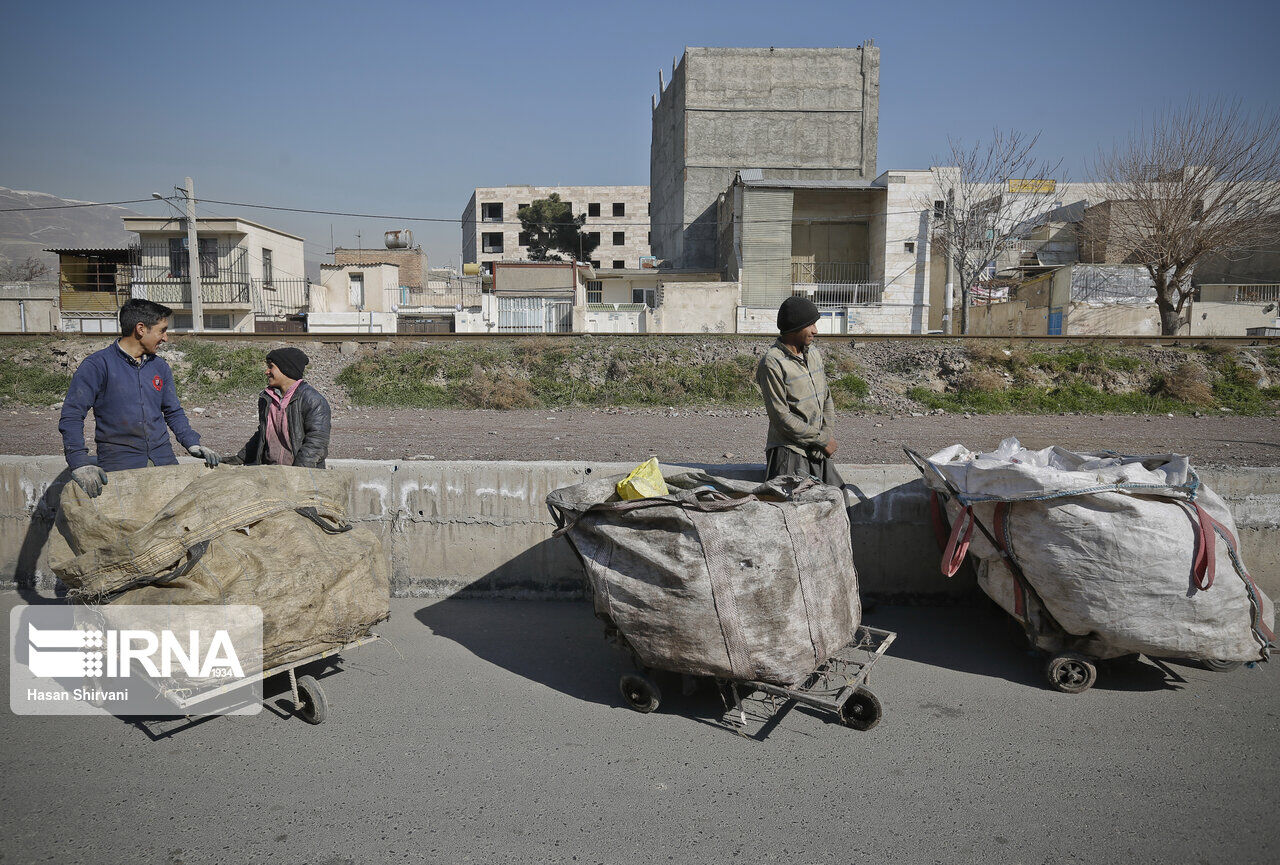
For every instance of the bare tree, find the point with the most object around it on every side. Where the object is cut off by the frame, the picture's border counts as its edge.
(992, 191)
(26, 271)
(1198, 180)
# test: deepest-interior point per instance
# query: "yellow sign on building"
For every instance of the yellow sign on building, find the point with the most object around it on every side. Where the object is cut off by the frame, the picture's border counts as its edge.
(1032, 184)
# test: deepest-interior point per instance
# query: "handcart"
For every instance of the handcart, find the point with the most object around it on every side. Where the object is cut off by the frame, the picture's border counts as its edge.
(307, 697)
(1066, 670)
(838, 685)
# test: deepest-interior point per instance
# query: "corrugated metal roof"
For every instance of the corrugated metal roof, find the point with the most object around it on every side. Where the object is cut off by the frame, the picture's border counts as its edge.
(122, 252)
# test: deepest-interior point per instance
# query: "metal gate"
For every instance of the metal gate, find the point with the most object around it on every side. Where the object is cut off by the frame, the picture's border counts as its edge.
(534, 315)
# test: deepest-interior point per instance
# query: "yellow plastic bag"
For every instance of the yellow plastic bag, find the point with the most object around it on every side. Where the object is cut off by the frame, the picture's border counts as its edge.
(644, 482)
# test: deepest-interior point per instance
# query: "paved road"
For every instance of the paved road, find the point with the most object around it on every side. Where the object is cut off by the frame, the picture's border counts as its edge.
(493, 732)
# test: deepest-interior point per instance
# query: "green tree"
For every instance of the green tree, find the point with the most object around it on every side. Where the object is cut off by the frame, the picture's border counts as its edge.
(552, 232)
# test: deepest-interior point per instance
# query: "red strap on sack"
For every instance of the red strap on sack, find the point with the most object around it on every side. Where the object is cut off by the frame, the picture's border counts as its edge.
(958, 543)
(1204, 565)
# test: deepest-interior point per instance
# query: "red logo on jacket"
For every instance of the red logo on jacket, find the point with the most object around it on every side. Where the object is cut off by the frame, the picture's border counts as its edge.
(157, 382)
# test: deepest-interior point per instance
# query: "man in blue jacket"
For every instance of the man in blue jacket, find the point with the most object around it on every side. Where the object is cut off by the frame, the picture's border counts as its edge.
(130, 389)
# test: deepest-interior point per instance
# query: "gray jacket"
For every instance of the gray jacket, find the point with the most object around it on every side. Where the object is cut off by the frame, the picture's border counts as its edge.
(308, 417)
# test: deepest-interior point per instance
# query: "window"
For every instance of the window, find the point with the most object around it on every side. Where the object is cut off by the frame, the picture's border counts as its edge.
(217, 321)
(595, 262)
(619, 209)
(939, 209)
(491, 211)
(491, 241)
(648, 237)
(619, 264)
(523, 239)
(643, 295)
(619, 238)
(180, 321)
(593, 209)
(208, 257)
(595, 290)
(569, 204)
(648, 208)
(909, 246)
(355, 291)
(178, 257)
(266, 266)
(594, 237)
(520, 207)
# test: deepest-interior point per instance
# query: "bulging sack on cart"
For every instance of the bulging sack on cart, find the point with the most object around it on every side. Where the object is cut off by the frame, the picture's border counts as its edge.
(724, 578)
(271, 536)
(1120, 554)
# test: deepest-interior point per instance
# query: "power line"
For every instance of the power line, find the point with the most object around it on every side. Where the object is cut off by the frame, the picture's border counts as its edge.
(70, 206)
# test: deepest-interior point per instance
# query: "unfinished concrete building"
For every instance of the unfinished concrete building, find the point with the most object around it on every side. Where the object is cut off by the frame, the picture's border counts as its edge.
(801, 114)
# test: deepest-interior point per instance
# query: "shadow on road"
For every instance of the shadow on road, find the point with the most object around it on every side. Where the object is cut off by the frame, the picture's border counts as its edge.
(985, 641)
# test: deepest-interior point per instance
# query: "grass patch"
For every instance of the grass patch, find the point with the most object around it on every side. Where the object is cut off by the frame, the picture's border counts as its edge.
(849, 391)
(214, 369)
(31, 385)
(1073, 397)
(545, 373)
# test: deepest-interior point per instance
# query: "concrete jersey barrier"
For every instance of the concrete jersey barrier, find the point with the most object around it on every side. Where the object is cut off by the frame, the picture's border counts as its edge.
(482, 528)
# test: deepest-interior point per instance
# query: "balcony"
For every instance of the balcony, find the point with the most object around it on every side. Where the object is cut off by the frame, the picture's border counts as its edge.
(830, 272)
(177, 293)
(841, 295)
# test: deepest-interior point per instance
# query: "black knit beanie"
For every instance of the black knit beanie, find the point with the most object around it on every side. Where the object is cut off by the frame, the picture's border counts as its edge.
(289, 360)
(796, 312)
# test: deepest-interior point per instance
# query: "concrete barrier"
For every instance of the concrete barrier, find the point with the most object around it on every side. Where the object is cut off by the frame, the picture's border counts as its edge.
(482, 528)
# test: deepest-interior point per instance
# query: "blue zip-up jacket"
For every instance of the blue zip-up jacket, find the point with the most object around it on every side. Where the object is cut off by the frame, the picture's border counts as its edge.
(132, 402)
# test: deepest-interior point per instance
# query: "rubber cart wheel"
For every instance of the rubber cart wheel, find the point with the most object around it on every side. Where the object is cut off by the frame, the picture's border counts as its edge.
(861, 711)
(1222, 666)
(315, 706)
(640, 692)
(1071, 672)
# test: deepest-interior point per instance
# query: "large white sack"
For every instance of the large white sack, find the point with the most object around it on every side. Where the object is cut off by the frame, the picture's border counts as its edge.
(1109, 546)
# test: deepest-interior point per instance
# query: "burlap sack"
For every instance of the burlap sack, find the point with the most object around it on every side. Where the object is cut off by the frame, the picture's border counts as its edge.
(721, 578)
(1120, 554)
(273, 536)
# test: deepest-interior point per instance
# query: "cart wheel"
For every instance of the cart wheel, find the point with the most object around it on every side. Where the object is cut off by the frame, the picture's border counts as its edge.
(315, 706)
(640, 692)
(861, 711)
(1222, 666)
(1071, 672)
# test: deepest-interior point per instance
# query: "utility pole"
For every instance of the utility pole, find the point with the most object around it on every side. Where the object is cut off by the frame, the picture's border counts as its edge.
(193, 260)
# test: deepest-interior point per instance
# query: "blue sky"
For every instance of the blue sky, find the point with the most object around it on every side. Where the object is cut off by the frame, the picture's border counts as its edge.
(403, 108)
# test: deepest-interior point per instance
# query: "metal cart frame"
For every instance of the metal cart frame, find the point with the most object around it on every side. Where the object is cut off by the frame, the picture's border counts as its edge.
(837, 686)
(308, 698)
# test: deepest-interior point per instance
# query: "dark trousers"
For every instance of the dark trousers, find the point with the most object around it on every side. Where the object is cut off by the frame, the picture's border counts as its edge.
(784, 461)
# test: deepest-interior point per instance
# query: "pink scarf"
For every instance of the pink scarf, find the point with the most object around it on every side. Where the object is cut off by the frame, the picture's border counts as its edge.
(279, 449)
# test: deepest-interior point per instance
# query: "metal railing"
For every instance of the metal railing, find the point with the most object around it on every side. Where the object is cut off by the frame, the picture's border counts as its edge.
(830, 272)
(841, 295)
(280, 297)
(455, 293)
(177, 292)
(1257, 293)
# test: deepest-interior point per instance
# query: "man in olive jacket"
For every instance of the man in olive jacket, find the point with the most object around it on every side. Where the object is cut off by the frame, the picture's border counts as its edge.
(293, 417)
(801, 411)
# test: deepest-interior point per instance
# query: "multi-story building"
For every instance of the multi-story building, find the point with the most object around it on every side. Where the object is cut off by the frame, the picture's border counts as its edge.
(618, 216)
(794, 114)
(252, 277)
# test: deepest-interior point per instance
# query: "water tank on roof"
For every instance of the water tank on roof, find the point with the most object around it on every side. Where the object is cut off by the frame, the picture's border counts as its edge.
(401, 238)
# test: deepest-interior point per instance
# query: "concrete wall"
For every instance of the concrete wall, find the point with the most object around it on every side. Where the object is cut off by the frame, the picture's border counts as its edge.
(696, 307)
(351, 322)
(794, 113)
(30, 307)
(482, 528)
(1231, 319)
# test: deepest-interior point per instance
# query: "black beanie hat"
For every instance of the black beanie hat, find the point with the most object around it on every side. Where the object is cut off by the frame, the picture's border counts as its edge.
(289, 360)
(797, 312)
